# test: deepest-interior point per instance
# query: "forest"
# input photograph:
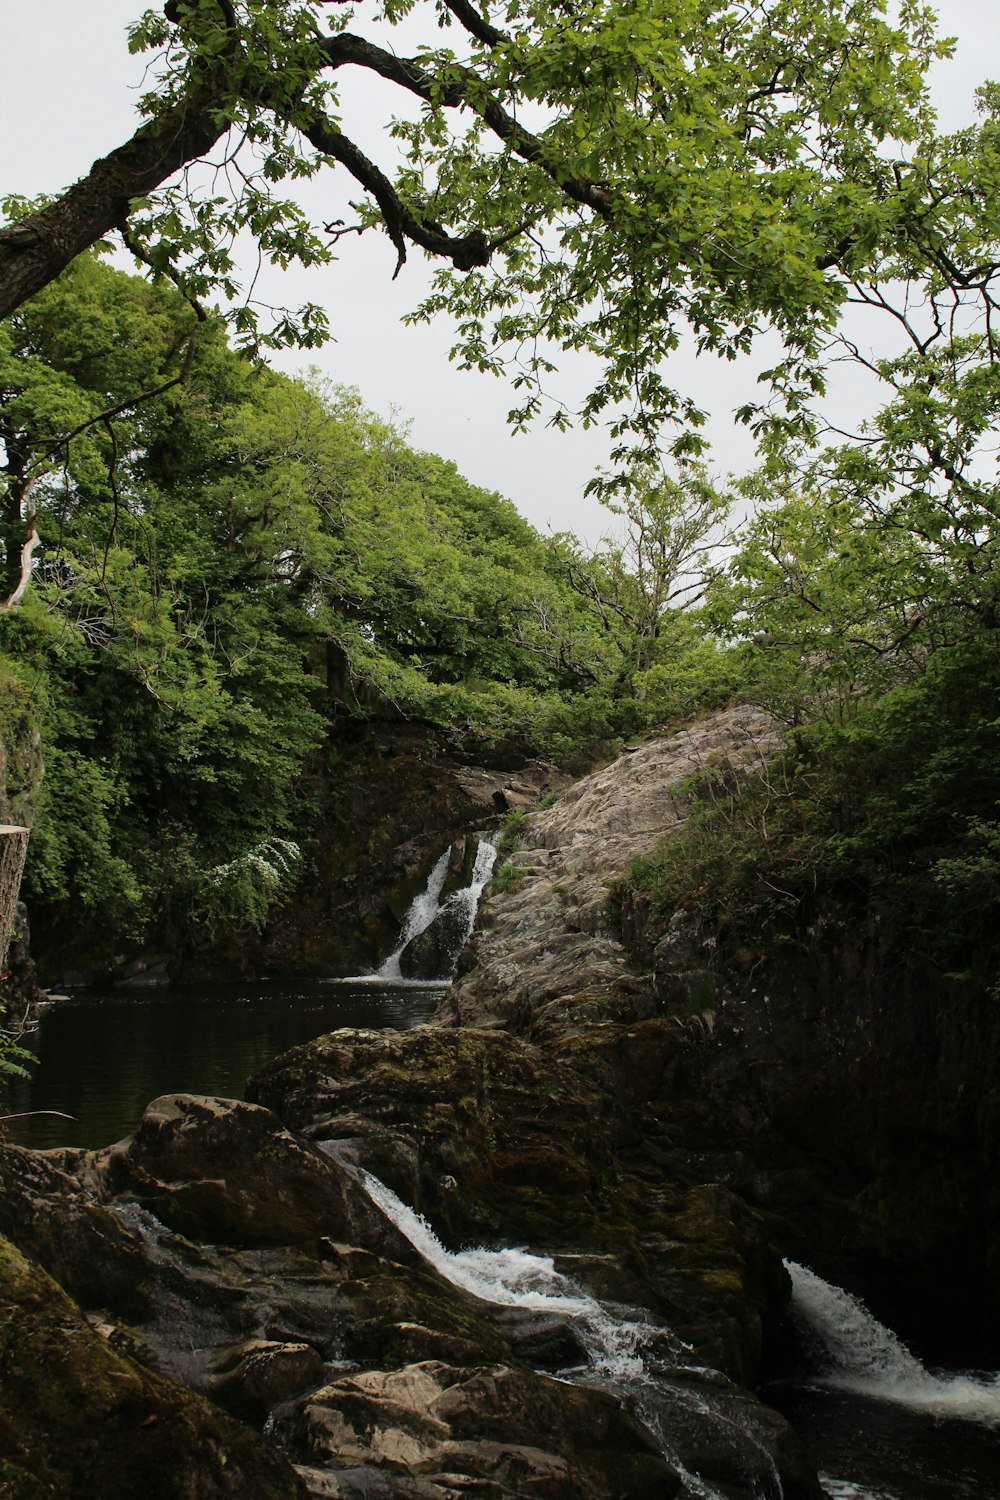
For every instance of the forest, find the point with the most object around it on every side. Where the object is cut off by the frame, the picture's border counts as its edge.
(228, 592)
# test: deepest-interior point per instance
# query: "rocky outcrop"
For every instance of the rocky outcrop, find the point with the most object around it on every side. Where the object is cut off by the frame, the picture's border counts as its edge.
(224, 1250)
(231, 1246)
(547, 958)
(80, 1419)
(496, 1140)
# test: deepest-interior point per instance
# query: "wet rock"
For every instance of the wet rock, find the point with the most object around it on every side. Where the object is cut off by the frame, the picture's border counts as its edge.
(478, 1130)
(729, 1439)
(496, 1140)
(517, 1432)
(79, 1420)
(260, 1374)
(544, 1340)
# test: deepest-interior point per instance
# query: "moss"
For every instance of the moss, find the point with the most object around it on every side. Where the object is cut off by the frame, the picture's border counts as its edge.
(84, 1421)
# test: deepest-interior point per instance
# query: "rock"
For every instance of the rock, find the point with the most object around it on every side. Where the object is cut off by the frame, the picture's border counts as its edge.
(260, 1374)
(225, 1171)
(514, 1431)
(547, 959)
(81, 1421)
(525, 1137)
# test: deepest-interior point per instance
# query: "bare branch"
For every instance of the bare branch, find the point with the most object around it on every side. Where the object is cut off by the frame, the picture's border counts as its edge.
(32, 541)
(462, 86)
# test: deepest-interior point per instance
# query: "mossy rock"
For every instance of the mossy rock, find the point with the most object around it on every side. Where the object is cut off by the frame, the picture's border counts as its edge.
(80, 1421)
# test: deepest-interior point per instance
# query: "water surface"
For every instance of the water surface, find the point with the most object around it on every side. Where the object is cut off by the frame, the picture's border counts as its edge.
(102, 1057)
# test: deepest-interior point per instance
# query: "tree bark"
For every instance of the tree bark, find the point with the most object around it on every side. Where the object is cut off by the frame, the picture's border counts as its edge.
(34, 251)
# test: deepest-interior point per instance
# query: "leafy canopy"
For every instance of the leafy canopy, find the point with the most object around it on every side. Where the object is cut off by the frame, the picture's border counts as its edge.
(604, 178)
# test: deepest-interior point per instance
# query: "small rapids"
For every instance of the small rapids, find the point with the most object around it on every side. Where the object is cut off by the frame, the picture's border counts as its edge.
(516, 1278)
(854, 1352)
(641, 1362)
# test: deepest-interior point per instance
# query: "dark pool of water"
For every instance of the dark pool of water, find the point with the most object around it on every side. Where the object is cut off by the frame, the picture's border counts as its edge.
(103, 1057)
(881, 1450)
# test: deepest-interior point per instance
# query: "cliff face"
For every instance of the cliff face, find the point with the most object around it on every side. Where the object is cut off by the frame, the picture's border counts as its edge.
(546, 959)
(856, 1105)
(384, 817)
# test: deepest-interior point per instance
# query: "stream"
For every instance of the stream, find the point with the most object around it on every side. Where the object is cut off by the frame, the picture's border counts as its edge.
(879, 1424)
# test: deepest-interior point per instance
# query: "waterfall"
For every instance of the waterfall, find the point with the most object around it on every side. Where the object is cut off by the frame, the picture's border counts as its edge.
(516, 1278)
(454, 917)
(638, 1360)
(423, 909)
(855, 1352)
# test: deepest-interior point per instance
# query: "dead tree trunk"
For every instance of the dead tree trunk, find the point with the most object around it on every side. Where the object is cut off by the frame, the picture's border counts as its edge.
(13, 848)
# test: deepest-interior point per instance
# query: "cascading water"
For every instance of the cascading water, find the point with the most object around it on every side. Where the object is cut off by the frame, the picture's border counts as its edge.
(879, 1419)
(453, 917)
(423, 910)
(629, 1354)
(855, 1352)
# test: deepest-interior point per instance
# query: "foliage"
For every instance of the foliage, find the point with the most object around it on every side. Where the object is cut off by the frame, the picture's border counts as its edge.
(608, 181)
(512, 833)
(242, 891)
(237, 570)
(507, 877)
(884, 822)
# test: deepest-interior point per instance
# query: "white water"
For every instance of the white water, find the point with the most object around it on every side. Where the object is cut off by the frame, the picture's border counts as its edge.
(421, 914)
(460, 907)
(623, 1348)
(516, 1278)
(466, 902)
(859, 1354)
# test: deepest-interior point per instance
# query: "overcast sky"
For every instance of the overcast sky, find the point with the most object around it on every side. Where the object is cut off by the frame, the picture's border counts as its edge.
(67, 90)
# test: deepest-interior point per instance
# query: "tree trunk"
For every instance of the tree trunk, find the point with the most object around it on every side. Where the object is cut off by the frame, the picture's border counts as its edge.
(13, 848)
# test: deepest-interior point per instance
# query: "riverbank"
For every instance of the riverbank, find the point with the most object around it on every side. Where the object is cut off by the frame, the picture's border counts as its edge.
(562, 1102)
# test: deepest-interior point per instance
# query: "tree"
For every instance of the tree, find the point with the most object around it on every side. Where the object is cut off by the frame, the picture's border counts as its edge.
(656, 565)
(688, 165)
(235, 571)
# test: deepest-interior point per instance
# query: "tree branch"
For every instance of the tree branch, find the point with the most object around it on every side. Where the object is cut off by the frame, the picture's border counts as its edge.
(463, 86)
(31, 542)
(475, 22)
(464, 251)
(34, 251)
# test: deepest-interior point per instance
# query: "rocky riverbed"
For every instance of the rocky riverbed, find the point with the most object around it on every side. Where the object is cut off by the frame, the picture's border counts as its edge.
(223, 1275)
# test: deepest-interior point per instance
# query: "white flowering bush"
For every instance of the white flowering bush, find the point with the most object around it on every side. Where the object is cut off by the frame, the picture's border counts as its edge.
(242, 891)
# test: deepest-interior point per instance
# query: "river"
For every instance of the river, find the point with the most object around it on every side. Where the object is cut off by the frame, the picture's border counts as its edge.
(103, 1056)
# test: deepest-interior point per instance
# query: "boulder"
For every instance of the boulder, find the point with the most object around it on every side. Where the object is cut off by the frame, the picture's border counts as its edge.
(225, 1171)
(80, 1420)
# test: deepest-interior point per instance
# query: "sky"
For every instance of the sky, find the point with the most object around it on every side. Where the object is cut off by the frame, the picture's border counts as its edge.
(67, 94)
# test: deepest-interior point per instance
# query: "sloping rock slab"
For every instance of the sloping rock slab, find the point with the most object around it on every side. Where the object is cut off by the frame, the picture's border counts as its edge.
(545, 960)
(79, 1421)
